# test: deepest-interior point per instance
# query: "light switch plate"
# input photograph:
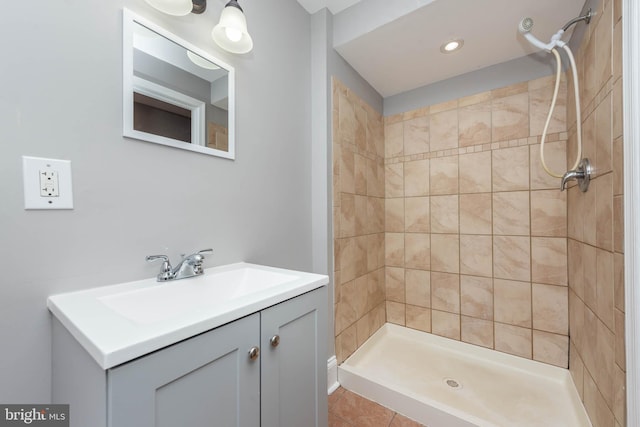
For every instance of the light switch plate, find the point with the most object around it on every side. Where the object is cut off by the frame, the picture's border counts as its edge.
(47, 183)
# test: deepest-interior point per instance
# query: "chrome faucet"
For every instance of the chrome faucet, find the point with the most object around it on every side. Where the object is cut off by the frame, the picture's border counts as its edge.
(190, 266)
(582, 174)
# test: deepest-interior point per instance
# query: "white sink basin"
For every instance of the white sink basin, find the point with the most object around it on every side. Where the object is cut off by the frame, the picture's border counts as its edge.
(119, 323)
(171, 299)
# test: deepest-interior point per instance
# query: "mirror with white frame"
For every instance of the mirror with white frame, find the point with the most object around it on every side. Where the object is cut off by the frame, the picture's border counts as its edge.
(174, 93)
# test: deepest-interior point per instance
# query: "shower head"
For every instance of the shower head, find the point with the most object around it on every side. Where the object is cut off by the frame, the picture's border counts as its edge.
(525, 25)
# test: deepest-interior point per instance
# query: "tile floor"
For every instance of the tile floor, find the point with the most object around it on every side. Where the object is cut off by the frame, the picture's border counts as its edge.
(347, 409)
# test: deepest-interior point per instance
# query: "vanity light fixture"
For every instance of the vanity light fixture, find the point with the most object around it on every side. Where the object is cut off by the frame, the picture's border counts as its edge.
(231, 32)
(452, 46)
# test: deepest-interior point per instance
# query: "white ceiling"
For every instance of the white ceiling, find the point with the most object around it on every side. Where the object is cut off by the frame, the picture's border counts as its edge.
(395, 45)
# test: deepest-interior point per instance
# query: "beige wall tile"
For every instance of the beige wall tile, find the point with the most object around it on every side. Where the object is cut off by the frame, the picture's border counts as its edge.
(416, 178)
(575, 268)
(347, 171)
(551, 348)
(549, 213)
(416, 136)
(540, 96)
(394, 180)
(394, 284)
(511, 257)
(445, 292)
(444, 106)
(513, 340)
(361, 219)
(418, 287)
(512, 302)
(476, 297)
(347, 215)
(620, 340)
(605, 362)
(620, 397)
(510, 117)
(549, 260)
(475, 213)
(618, 281)
(474, 99)
(418, 318)
(617, 112)
(511, 213)
(475, 172)
(445, 324)
(347, 125)
(604, 138)
(576, 368)
(445, 252)
(360, 174)
(444, 214)
(589, 273)
(513, 89)
(373, 245)
(603, 187)
(417, 252)
(595, 404)
(476, 331)
(375, 215)
(605, 287)
(589, 214)
(476, 255)
(475, 124)
(394, 140)
(555, 155)
(444, 175)
(417, 217)
(604, 39)
(394, 249)
(510, 169)
(396, 313)
(394, 215)
(550, 309)
(444, 130)
(346, 343)
(618, 167)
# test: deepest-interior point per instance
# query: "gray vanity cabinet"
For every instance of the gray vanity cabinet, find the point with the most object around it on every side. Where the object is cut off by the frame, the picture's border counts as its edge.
(211, 379)
(207, 380)
(294, 367)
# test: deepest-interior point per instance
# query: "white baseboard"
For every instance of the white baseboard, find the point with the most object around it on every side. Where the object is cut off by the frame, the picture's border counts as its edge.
(332, 374)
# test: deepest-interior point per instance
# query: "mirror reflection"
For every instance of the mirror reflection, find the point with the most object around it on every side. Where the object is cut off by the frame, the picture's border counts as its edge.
(175, 96)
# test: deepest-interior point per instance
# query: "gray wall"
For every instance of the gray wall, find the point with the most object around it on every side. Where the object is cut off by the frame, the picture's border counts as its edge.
(61, 98)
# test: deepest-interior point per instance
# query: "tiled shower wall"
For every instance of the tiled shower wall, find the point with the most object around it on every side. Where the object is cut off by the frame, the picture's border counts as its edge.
(358, 220)
(476, 246)
(595, 226)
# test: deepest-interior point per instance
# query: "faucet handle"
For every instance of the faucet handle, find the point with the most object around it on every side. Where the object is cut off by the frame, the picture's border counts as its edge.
(166, 272)
(205, 251)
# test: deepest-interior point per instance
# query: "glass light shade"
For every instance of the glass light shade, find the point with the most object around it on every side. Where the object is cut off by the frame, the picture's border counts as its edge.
(172, 7)
(231, 32)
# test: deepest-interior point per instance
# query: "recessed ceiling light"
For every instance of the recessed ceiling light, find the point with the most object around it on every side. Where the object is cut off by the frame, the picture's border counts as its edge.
(451, 46)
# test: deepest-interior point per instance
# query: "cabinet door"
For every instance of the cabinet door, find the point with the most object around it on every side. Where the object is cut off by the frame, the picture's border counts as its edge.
(208, 380)
(294, 372)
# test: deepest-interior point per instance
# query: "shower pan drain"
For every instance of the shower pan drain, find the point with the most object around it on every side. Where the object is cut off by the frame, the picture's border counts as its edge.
(452, 383)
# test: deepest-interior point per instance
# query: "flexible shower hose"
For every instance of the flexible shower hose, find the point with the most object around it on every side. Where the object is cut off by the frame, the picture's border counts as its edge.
(553, 104)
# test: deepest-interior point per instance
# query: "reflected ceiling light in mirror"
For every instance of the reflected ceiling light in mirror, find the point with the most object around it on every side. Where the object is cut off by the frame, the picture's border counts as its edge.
(172, 7)
(201, 62)
(231, 32)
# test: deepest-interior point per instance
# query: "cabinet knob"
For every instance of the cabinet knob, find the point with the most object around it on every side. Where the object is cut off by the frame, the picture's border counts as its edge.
(254, 352)
(275, 340)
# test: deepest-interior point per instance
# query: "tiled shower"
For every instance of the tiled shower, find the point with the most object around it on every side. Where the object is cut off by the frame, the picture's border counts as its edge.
(445, 222)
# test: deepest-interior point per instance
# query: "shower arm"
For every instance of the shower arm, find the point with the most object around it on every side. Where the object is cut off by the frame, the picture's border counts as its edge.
(586, 18)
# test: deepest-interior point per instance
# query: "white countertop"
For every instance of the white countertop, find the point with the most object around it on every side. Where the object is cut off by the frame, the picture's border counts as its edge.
(112, 338)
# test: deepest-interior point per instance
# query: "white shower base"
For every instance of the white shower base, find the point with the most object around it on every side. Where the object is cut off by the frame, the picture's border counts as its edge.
(407, 370)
